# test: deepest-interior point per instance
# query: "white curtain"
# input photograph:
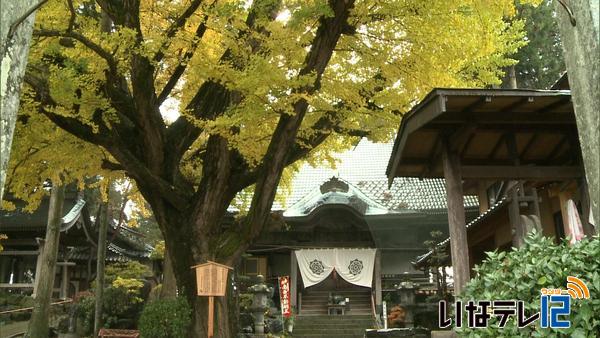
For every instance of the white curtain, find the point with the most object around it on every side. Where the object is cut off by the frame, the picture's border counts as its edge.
(353, 265)
(315, 265)
(356, 265)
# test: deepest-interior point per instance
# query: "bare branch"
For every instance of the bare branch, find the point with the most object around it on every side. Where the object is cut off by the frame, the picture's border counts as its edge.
(73, 16)
(175, 27)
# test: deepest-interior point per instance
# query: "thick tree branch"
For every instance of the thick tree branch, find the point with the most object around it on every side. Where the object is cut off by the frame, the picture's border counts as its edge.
(70, 124)
(284, 137)
(101, 52)
(175, 27)
(180, 69)
(212, 98)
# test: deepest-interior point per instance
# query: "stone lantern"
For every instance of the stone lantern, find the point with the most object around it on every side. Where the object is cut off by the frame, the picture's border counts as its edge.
(260, 303)
(406, 291)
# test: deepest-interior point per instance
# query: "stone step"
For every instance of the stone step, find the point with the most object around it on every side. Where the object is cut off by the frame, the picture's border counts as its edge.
(326, 301)
(328, 335)
(340, 318)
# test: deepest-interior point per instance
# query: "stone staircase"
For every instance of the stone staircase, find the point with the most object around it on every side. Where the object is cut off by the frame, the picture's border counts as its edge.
(324, 326)
(314, 322)
(315, 302)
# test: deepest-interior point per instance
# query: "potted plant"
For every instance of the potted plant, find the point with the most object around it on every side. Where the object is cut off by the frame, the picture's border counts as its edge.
(289, 323)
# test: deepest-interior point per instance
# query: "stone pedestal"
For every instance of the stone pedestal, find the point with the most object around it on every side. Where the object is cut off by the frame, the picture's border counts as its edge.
(406, 292)
(260, 303)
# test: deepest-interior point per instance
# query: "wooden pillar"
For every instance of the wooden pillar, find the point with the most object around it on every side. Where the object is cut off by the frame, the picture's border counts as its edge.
(482, 197)
(293, 280)
(64, 284)
(456, 219)
(38, 325)
(377, 271)
(514, 216)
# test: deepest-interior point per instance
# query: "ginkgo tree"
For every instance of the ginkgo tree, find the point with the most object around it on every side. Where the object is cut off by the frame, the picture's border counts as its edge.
(253, 86)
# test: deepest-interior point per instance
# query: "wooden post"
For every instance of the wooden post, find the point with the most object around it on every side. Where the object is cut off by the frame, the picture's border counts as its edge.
(456, 219)
(482, 197)
(514, 216)
(211, 316)
(293, 281)
(100, 260)
(38, 325)
(64, 284)
(377, 271)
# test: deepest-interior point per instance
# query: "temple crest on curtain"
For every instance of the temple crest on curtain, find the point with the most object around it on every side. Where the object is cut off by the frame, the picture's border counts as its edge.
(353, 265)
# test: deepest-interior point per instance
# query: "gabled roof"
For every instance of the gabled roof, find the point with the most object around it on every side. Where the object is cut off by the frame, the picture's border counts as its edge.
(363, 167)
(489, 129)
(336, 191)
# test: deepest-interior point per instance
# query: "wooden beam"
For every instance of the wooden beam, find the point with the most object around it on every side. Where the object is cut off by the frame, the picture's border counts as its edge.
(556, 104)
(19, 253)
(520, 102)
(501, 140)
(477, 103)
(557, 148)
(511, 146)
(456, 220)
(433, 155)
(560, 128)
(528, 145)
(464, 149)
(16, 285)
(542, 173)
(460, 137)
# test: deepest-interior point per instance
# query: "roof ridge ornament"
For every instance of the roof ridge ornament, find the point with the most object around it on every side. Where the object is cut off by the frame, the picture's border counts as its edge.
(334, 185)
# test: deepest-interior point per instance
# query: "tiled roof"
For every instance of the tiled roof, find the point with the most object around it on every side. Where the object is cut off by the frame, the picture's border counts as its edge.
(411, 194)
(336, 191)
(364, 167)
(492, 210)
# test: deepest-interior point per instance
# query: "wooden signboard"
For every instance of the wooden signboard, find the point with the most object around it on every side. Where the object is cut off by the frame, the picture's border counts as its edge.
(211, 281)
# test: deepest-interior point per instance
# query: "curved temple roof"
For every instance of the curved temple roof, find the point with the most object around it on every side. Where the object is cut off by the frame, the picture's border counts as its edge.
(336, 191)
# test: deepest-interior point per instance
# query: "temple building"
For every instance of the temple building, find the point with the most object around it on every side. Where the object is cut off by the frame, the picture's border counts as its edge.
(345, 233)
(76, 263)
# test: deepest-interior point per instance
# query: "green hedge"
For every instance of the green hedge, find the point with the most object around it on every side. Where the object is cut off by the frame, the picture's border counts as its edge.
(168, 318)
(521, 273)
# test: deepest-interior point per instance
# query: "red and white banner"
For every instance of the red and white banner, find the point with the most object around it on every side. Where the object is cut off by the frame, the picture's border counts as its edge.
(284, 296)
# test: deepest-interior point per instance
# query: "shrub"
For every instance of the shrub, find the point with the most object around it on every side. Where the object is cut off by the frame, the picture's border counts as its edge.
(521, 273)
(167, 318)
(122, 301)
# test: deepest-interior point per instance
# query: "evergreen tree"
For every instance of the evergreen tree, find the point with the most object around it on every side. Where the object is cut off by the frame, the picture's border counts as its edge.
(540, 62)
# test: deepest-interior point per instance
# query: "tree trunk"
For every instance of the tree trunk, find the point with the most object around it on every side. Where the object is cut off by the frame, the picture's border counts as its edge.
(38, 325)
(579, 29)
(169, 284)
(13, 52)
(100, 262)
(186, 281)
